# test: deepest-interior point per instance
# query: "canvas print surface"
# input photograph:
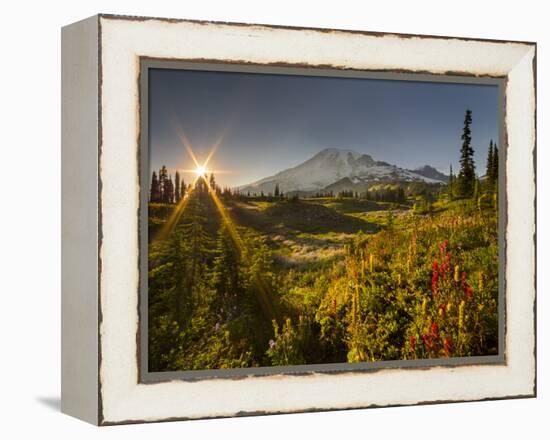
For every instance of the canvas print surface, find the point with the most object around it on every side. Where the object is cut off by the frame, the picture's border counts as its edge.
(296, 220)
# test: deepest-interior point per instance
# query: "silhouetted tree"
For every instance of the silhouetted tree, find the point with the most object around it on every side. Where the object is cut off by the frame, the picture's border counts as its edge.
(177, 188)
(467, 174)
(163, 178)
(212, 182)
(169, 190)
(183, 188)
(155, 195)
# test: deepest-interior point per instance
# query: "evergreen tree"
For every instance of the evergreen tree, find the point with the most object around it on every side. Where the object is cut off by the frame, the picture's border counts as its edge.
(169, 191)
(182, 188)
(163, 177)
(467, 174)
(212, 182)
(181, 292)
(401, 197)
(276, 190)
(177, 184)
(198, 242)
(200, 186)
(226, 274)
(154, 195)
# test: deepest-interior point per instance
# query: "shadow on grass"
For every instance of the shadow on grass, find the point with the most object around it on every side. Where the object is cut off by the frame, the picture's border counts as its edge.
(299, 216)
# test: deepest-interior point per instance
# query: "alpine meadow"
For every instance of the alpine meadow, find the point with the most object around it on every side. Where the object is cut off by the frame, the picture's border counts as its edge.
(300, 220)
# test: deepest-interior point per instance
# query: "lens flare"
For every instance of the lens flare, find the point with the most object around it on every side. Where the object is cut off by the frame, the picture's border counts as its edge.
(201, 170)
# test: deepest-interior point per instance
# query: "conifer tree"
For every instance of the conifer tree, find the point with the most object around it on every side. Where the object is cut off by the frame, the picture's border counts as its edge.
(226, 273)
(467, 174)
(169, 191)
(276, 193)
(401, 197)
(179, 256)
(154, 195)
(198, 242)
(177, 187)
(212, 182)
(183, 188)
(163, 177)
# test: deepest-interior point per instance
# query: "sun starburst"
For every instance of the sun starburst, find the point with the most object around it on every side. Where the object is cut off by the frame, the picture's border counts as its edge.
(200, 171)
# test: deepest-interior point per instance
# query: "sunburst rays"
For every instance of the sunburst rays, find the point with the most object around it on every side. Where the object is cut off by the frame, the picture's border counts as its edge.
(201, 170)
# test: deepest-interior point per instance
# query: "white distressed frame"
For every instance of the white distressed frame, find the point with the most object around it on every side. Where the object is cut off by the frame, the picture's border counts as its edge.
(122, 42)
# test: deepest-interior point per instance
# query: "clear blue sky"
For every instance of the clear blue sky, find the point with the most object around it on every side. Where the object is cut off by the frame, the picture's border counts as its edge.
(273, 122)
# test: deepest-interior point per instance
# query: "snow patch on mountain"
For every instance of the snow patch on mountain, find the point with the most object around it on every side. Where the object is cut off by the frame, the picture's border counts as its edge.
(331, 165)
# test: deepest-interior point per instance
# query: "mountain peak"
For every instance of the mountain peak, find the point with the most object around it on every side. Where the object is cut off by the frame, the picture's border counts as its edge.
(338, 151)
(425, 168)
(332, 165)
(431, 172)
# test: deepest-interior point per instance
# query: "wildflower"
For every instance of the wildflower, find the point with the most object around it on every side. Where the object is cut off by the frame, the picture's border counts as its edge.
(480, 281)
(447, 346)
(271, 343)
(217, 326)
(469, 292)
(424, 304)
(449, 307)
(443, 247)
(461, 314)
(457, 273)
(371, 261)
(435, 329)
(435, 278)
(412, 343)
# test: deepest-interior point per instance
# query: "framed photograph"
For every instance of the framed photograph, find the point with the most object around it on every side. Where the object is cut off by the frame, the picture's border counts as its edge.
(263, 220)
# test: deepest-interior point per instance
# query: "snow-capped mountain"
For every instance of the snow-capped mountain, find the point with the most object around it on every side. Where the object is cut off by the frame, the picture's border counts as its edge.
(431, 172)
(332, 165)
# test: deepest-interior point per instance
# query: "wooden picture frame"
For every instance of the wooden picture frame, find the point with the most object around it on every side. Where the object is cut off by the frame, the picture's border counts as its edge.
(104, 101)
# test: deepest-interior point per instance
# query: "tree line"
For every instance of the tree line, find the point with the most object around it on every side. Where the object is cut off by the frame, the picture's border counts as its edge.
(164, 189)
(467, 184)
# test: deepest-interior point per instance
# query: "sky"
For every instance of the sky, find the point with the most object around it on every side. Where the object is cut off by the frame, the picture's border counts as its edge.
(268, 123)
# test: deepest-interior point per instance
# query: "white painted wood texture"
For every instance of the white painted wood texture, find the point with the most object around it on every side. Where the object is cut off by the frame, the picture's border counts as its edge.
(123, 42)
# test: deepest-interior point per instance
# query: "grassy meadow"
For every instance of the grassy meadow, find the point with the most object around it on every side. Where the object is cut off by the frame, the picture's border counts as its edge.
(248, 281)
